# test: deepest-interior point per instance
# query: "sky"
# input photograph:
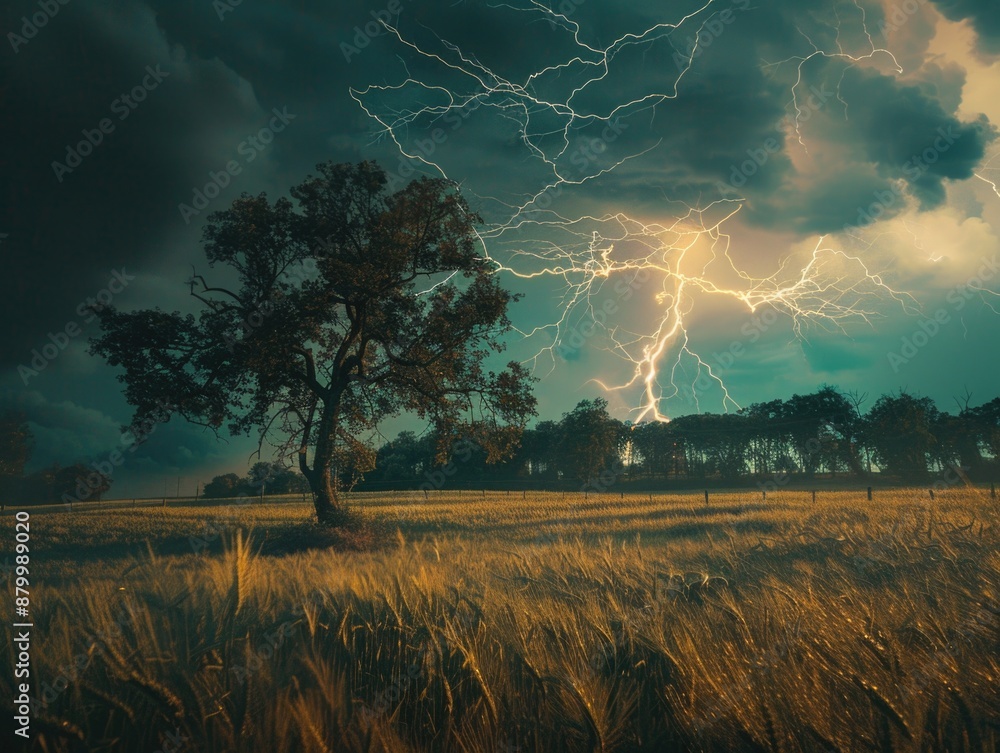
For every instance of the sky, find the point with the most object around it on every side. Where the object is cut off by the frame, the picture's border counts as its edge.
(704, 204)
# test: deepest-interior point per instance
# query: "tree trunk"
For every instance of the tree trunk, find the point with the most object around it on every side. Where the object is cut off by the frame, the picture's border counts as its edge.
(325, 495)
(321, 479)
(969, 455)
(853, 461)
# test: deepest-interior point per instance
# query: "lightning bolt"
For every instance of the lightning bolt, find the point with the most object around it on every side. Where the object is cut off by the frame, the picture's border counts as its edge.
(989, 167)
(690, 257)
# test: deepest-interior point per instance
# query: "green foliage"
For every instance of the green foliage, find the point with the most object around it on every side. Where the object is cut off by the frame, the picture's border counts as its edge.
(589, 440)
(900, 431)
(226, 485)
(821, 432)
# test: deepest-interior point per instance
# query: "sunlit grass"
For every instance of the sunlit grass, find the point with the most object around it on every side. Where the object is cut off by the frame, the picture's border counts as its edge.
(547, 622)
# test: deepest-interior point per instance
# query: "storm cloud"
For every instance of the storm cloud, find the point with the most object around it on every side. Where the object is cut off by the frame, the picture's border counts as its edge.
(117, 113)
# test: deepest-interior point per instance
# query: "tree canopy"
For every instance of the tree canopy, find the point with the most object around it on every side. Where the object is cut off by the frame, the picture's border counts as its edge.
(338, 310)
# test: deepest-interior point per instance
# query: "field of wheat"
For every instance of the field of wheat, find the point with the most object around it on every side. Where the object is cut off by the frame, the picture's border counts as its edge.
(506, 622)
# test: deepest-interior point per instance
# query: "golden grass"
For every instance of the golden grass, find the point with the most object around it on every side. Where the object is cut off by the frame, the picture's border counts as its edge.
(550, 623)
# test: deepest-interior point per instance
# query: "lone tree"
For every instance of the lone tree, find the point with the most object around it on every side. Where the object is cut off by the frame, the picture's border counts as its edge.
(349, 307)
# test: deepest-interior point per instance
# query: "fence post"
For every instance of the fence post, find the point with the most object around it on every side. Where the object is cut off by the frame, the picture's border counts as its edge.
(932, 493)
(164, 501)
(814, 496)
(763, 493)
(869, 494)
(706, 496)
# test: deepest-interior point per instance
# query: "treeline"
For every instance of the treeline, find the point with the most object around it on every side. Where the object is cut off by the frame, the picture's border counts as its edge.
(902, 437)
(263, 478)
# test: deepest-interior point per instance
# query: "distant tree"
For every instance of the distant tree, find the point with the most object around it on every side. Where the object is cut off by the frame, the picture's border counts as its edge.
(697, 434)
(821, 426)
(401, 460)
(220, 487)
(357, 307)
(287, 481)
(16, 444)
(731, 442)
(80, 483)
(857, 446)
(272, 478)
(958, 440)
(900, 431)
(760, 424)
(260, 473)
(408, 452)
(628, 451)
(39, 487)
(714, 444)
(659, 449)
(588, 440)
(540, 451)
(987, 422)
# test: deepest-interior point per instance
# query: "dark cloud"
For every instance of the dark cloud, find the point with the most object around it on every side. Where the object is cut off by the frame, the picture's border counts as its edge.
(844, 197)
(906, 133)
(119, 208)
(984, 15)
(68, 231)
(727, 128)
